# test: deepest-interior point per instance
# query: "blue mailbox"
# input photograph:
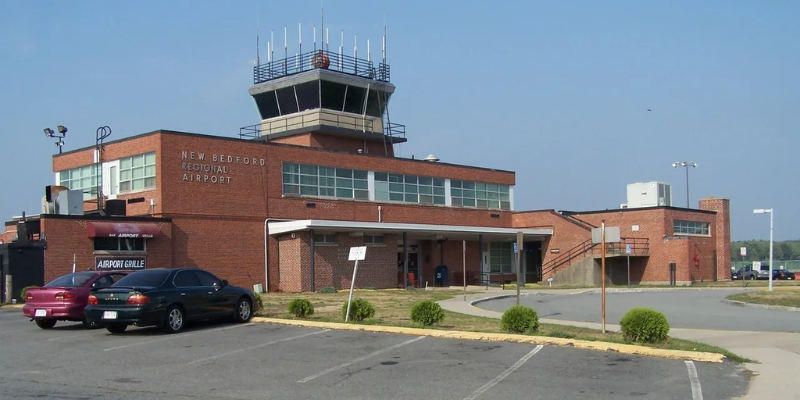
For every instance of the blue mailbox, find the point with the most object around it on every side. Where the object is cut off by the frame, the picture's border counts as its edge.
(440, 275)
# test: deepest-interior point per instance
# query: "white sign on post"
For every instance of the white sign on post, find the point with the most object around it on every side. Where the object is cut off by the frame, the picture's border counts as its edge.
(356, 254)
(628, 249)
(612, 235)
(743, 251)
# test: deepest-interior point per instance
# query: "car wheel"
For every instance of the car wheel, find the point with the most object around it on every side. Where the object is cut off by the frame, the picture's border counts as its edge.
(752, 277)
(174, 320)
(116, 328)
(244, 310)
(45, 323)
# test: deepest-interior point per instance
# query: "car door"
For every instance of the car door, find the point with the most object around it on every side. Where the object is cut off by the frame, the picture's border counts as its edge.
(191, 294)
(219, 298)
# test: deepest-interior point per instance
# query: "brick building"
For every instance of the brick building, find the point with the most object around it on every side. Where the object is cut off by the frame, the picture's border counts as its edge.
(281, 205)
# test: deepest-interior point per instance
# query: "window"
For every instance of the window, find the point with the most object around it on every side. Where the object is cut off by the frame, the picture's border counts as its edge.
(103, 282)
(480, 195)
(206, 279)
(137, 172)
(186, 279)
(312, 180)
(409, 188)
(118, 244)
(77, 279)
(153, 277)
(691, 228)
(81, 178)
(500, 258)
(373, 240)
(325, 238)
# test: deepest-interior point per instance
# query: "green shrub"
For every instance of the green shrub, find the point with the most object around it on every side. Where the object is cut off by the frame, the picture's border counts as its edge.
(520, 319)
(427, 313)
(329, 289)
(360, 310)
(259, 304)
(644, 325)
(24, 291)
(301, 308)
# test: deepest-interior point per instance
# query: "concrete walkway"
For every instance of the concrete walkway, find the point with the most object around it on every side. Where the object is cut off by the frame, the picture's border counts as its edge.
(776, 352)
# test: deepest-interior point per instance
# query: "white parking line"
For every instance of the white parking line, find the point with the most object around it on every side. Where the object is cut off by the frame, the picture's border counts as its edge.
(697, 391)
(503, 375)
(177, 336)
(258, 346)
(375, 353)
(68, 337)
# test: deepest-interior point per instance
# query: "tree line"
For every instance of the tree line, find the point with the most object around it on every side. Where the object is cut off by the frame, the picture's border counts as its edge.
(758, 250)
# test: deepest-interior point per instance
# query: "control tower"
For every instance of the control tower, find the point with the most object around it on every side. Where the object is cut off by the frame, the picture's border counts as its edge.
(327, 99)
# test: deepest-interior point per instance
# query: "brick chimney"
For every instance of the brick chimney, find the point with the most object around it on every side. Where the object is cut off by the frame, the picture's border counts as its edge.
(722, 233)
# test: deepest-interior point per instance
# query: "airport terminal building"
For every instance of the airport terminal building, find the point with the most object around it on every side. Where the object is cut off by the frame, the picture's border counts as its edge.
(281, 205)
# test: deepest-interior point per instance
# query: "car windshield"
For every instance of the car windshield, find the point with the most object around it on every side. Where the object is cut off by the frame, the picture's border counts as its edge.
(72, 280)
(144, 278)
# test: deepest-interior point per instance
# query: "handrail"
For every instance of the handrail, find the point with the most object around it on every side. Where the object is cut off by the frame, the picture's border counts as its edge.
(639, 246)
(320, 59)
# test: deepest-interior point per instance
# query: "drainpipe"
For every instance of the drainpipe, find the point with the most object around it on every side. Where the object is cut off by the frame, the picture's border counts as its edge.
(266, 252)
(379, 214)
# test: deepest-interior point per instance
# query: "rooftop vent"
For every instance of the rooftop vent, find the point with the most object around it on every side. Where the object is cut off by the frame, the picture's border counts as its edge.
(431, 158)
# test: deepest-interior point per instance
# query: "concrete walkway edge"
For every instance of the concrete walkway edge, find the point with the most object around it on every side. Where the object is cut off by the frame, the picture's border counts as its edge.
(765, 306)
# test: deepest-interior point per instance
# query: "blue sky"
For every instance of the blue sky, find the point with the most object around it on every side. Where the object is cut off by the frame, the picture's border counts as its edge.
(556, 91)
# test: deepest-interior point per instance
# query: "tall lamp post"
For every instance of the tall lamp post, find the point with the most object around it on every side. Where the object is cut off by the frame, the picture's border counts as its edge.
(685, 165)
(771, 225)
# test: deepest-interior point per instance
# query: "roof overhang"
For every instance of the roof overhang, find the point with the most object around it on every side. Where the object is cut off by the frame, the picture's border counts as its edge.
(413, 230)
(122, 229)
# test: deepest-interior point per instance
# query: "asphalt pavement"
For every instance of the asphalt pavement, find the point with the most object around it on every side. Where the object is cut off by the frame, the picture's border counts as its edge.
(245, 361)
(694, 309)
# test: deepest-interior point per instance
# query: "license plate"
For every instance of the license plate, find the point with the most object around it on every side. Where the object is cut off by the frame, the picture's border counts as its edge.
(109, 315)
(40, 313)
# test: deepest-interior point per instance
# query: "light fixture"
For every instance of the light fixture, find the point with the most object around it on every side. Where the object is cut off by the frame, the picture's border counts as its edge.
(62, 130)
(685, 165)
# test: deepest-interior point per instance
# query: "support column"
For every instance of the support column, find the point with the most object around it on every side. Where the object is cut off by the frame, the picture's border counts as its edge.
(480, 261)
(405, 261)
(312, 261)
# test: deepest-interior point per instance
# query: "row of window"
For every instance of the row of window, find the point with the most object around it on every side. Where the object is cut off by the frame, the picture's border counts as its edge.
(346, 183)
(312, 180)
(691, 228)
(119, 244)
(135, 173)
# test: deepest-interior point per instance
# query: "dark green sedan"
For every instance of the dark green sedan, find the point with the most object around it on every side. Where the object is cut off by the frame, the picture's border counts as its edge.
(168, 298)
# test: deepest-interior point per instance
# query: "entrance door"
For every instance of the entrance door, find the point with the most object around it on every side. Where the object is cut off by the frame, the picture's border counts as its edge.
(413, 268)
(533, 262)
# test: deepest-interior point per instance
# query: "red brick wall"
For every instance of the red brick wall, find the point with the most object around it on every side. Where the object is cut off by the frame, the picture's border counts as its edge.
(722, 234)
(303, 139)
(332, 268)
(352, 145)
(566, 234)
(291, 263)
(66, 237)
(9, 234)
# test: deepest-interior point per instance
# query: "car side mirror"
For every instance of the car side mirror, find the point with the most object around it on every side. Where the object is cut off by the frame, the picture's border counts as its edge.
(224, 283)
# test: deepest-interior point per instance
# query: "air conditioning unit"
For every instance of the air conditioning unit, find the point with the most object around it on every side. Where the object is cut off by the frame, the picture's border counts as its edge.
(649, 194)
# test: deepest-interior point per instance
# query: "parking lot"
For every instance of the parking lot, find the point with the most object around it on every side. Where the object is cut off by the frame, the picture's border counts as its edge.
(230, 361)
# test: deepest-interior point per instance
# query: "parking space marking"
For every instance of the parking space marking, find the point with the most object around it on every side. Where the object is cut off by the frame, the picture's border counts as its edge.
(504, 374)
(697, 391)
(183, 335)
(258, 346)
(373, 354)
(68, 337)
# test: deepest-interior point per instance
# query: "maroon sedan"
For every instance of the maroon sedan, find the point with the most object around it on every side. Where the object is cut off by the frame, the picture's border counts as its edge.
(64, 298)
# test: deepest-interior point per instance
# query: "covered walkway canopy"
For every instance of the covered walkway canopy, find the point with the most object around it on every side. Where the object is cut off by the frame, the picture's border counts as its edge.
(417, 231)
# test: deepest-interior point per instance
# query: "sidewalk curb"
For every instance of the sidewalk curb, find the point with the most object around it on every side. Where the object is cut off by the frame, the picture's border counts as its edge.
(502, 337)
(764, 306)
(11, 307)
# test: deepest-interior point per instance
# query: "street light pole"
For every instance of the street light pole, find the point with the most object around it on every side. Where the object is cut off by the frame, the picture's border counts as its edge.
(771, 229)
(685, 165)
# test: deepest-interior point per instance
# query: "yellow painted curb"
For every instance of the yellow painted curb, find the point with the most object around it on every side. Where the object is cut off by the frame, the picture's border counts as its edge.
(14, 306)
(504, 337)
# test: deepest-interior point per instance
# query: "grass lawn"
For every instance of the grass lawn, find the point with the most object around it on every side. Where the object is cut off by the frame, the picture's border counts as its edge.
(789, 298)
(393, 308)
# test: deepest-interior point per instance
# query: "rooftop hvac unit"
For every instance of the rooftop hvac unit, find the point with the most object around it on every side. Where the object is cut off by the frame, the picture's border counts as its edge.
(649, 194)
(69, 202)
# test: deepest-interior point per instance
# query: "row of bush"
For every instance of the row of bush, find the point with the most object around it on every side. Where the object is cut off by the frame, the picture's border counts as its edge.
(425, 313)
(642, 325)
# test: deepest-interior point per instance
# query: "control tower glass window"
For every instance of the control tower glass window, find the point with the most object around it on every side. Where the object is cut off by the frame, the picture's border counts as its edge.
(307, 95)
